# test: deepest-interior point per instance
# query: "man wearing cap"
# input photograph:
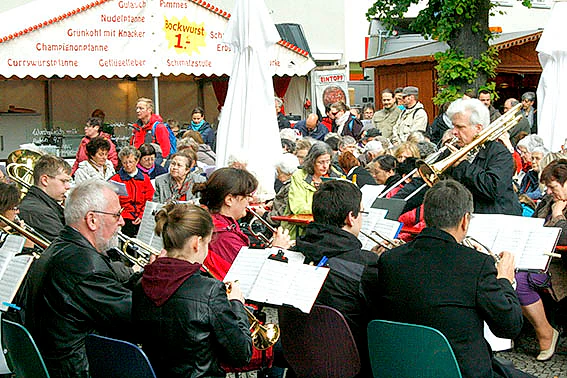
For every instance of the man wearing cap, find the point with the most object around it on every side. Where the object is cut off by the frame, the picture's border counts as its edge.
(385, 119)
(413, 118)
(311, 127)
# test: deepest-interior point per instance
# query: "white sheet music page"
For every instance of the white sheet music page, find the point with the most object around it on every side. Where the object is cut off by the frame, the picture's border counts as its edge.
(525, 237)
(146, 232)
(375, 221)
(248, 263)
(245, 268)
(369, 194)
(305, 287)
(12, 268)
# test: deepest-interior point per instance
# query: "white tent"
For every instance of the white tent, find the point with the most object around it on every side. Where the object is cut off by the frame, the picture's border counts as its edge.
(552, 88)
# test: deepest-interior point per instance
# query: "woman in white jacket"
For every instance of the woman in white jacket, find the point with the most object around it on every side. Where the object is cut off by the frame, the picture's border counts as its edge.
(97, 165)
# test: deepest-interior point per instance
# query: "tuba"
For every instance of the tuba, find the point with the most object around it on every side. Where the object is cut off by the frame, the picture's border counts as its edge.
(430, 173)
(19, 167)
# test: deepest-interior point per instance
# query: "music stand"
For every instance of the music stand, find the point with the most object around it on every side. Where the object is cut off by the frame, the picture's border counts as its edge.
(395, 206)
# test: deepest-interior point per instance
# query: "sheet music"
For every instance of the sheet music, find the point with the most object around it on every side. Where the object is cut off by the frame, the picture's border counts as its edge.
(245, 268)
(270, 281)
(369, 194)
(525, 237)
(249, 262)
(374, 222)
(305, 286)
(146, 232)
(12, 268)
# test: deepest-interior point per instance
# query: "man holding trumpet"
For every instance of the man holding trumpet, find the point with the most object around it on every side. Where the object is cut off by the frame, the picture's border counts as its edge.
(438, 282)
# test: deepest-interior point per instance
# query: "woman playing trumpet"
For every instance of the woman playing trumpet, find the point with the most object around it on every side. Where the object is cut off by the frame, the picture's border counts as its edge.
(227, 194)
(190, 320)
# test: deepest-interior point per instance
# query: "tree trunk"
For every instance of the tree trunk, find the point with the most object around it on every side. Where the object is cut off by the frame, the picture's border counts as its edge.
(472, 43)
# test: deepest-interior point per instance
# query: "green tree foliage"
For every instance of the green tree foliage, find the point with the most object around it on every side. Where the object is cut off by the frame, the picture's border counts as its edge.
(469, 63)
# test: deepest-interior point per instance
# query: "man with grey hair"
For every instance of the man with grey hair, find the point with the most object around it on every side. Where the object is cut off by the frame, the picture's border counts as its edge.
(488, 175)
(465, 290)
(74, 289)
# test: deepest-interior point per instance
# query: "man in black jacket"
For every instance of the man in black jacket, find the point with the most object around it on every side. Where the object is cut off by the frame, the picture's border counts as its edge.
(41, 207)
(487, 174)
(436, 281)
(73, 289)
(337, 215)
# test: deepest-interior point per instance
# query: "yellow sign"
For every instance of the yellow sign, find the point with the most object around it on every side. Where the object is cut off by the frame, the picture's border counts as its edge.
(184, 36)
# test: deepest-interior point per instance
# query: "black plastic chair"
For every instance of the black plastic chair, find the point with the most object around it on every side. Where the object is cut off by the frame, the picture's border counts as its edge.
(319, 344)
(112, 358)
(22, 355)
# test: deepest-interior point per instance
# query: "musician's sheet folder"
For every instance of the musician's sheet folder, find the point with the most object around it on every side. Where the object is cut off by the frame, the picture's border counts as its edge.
(270, 281)
(375, 221)
(525, 237)
(13, 268)
(146, 232)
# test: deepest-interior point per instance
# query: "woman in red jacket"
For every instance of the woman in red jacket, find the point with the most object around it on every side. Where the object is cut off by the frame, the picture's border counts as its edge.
(93, 129)
(226, 194)
(139, 187)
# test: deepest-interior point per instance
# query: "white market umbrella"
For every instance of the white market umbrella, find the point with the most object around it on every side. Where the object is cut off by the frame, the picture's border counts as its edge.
(552, 87)
(248, 121)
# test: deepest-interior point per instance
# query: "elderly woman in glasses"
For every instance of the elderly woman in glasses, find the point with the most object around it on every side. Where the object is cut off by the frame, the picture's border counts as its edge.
(305, 181)
(138, 186)
(177, 185)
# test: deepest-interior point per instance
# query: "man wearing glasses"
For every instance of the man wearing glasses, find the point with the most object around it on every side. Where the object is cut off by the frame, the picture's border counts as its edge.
(74, 289)
(41, 207)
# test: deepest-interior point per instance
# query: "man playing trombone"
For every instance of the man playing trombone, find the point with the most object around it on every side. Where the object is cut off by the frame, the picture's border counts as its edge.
(486, 170)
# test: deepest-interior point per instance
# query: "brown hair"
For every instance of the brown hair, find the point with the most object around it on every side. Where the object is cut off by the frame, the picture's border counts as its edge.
(555, 171)
(177, 222)
(221, 183)
(51, 166)
(347, 161)
(9, 196)
(195, 135)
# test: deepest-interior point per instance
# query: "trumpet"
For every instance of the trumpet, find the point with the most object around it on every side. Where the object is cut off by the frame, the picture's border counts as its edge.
(27, 232)
(431, 173)
(384, 241)
(136, 251)
(259, 235)
(263, 335)
(471, 242)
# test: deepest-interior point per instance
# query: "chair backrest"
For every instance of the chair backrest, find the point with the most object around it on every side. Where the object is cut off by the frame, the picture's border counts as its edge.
(111, 358)
(22, 355)
(319, 344)
(409, 350)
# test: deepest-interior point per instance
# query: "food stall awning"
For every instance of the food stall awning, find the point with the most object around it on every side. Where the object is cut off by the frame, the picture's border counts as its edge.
(107, 38)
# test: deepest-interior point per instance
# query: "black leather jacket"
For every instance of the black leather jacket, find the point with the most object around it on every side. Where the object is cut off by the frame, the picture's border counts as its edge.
(195, 328)
(70, 292)
(42, 213)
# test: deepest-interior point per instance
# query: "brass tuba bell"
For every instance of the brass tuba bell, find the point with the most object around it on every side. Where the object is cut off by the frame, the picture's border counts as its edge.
(19, 167)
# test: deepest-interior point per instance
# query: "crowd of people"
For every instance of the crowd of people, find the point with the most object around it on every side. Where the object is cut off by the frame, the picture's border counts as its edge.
(194, 325)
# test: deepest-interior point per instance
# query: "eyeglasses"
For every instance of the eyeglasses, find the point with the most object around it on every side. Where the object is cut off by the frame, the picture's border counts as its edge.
(115, 215)
(364, 213)
(64, 181)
